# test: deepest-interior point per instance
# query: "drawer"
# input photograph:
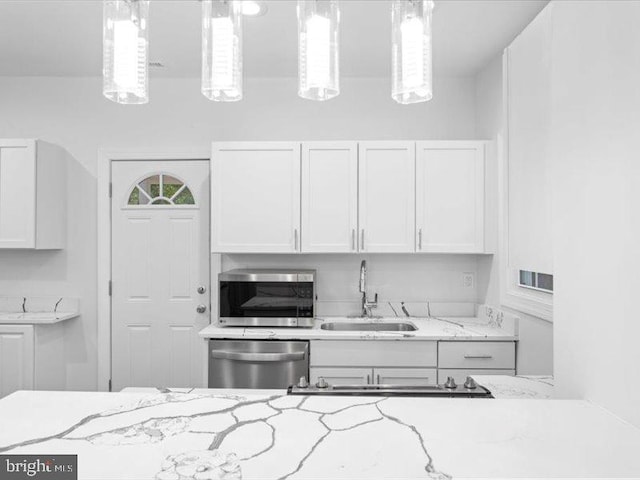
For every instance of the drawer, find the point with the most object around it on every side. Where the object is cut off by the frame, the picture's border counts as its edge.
(405, 376)
(341, 376)
(460, 375)
(470, 355)
(373, 353)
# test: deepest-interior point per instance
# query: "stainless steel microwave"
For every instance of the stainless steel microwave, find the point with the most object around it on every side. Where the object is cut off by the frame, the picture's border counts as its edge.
(267, 298)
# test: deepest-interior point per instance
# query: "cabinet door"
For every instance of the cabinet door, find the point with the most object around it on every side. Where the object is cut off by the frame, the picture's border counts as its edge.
(17, 194)
(341, 376)
(255, 197)
(387, 196)
(529, 137)
(450, 197)
(329, 196)
(405, 376)
(16, 358)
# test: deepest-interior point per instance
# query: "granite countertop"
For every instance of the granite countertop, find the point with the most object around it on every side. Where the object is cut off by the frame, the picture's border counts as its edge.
(519, 386)
(35, 318)
(37, 310)
(432, 323)
(199, 435)
(440, 328)
(500, 386)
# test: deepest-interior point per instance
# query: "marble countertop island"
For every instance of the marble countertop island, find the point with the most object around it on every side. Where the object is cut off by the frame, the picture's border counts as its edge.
(209, 435)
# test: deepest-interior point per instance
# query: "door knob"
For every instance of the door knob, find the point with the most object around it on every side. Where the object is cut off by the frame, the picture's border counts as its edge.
(201, 308)
(202, 289)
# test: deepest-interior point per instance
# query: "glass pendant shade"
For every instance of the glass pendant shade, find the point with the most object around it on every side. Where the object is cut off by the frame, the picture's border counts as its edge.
(411, 54)
(126, 51)
(318, 49)
(222, 50)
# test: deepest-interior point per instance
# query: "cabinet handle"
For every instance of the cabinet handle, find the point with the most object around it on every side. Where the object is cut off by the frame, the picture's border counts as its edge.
(378, 379)
(420, 239)
(353, 239)
(362, 239)
(295, 239)
(471, 357)
(368, 379)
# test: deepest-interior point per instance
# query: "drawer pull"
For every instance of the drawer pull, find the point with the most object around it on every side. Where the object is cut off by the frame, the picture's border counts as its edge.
(478, 357)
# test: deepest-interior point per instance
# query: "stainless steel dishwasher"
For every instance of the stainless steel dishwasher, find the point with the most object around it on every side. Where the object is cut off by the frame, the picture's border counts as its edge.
(257, 363)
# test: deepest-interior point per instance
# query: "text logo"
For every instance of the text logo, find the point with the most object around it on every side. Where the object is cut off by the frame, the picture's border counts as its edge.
(38, 467)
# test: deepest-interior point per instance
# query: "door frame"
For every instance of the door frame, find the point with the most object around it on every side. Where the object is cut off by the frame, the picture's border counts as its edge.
(105, 162)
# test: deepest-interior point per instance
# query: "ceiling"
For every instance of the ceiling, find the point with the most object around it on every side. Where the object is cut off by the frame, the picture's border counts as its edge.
(64, 37)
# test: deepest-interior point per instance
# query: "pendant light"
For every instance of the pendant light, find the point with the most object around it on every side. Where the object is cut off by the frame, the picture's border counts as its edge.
(222, 50)
(126, 51)
(411, 51)
(318, 49)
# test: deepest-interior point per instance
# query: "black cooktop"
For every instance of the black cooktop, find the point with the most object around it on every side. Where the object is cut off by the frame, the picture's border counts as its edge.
(437, 391)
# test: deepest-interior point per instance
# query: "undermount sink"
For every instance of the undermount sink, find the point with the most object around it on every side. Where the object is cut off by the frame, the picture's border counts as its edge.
(369, 326)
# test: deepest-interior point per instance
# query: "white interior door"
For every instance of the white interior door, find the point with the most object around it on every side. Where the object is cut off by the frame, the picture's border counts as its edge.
(160, 264)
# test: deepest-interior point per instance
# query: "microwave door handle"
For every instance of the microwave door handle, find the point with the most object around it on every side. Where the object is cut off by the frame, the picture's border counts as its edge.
(257, 357)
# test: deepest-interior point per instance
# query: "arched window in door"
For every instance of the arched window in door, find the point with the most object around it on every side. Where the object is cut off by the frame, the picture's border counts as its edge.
(160, 189)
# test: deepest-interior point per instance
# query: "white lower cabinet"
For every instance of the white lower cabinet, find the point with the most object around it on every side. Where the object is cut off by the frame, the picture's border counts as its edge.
(16, 358)
(357, 362)
(373, 353)
(374, 376)
(31, 357)
(474, 355)
(402, 376)
(371, 362)
(341, 376)
(459, 359)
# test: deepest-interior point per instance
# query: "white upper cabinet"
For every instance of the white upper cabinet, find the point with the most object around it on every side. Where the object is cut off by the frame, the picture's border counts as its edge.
(329, 196)
(450, 197)
(387, 196)
(33, 191)
(528, 81)
(347, 197)
(255, 197)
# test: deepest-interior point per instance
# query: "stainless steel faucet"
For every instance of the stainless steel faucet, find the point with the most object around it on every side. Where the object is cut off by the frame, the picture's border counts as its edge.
(366, 304)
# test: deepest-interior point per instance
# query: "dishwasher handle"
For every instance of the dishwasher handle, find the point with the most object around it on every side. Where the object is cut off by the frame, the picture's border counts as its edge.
(257, 357)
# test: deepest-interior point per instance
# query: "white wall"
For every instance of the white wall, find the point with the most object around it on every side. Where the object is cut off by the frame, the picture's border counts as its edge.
(395, 277)
(72, 112)
(596, 180)
(535, 348)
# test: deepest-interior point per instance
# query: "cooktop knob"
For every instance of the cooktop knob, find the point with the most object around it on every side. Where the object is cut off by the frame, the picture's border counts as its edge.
(302, 383)
(470, 383)
(450, 383)
(322, 383)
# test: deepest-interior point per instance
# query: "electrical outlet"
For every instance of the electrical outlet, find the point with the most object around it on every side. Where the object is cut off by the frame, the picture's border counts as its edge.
(468, 279)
